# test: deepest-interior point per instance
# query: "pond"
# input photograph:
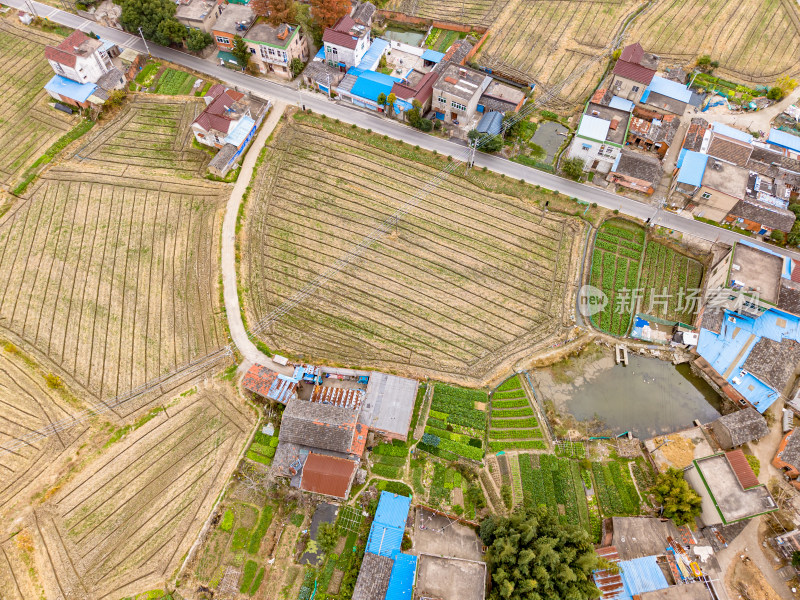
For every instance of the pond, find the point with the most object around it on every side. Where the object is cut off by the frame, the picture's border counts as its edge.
(412, 38)
(648, 397)
(549, 136)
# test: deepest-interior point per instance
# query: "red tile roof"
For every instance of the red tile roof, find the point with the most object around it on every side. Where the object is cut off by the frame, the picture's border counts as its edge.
(259, 379)
(341, 33)
(64, 53)
(359, 440)
(608, 582)
(744, 473)
(327, 475)
(795, 271)
(421, 92)
(633, 71)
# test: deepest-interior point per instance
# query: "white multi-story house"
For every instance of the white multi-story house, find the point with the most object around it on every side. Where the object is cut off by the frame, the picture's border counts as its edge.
(274, 48)
(84, 72)
(345, 43)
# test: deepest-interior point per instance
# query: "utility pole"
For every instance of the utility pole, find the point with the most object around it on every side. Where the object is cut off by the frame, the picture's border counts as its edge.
(31, 8)
(472, 150)
(146, 47)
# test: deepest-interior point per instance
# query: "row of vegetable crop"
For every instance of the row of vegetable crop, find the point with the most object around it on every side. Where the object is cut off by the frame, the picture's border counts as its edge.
(615, 489)
(457, 405)
(515, 434)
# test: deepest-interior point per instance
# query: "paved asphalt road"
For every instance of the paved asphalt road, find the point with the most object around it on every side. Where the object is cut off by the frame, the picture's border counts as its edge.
(319, 103)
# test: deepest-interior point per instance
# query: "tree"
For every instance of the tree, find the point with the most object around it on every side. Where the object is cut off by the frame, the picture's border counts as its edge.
(197, 39)
(533, 557)
(775, 93)
(296, 66)
(796, 559)
(327, 538)
(754, 463)
(390, 100)
(778, 237)
(156, 19)
(573, 168)
(276, 11)
(413, 115)
(381, 100)
(241, 52)
(678, 500)
(484, 141)
(704, 60)
(786, 84)
(326, 12)
(512, 124)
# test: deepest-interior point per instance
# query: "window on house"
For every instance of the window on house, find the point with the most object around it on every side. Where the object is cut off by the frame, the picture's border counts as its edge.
(442, 100)
(458, 106)
(59, 69)
(706, 195)
(635, 88)
(223, 40)
(252, 50)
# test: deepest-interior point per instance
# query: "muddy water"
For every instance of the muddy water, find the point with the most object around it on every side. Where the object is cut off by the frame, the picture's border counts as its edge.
(412, 38)
(648, 397)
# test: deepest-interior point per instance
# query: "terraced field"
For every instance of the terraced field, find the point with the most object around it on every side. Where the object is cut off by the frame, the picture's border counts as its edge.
(468, 278)
(28, 125)
(113, 278)
(125, 523)
(513, 424)
(469, 12)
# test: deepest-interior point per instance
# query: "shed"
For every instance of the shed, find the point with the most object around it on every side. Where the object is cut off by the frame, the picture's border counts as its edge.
(328, 475)
(373, 578)
(692, 167)
(593, 128)
(388, 406)
(740, 427)
(432, 56)
(491, 123)
(401, 583)
(783, 139)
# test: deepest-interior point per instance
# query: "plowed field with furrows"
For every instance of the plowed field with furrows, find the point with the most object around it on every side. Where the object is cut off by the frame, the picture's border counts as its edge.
(469, 276)
(28, 126)
(469, 12)
(113, 277)
(127, 520)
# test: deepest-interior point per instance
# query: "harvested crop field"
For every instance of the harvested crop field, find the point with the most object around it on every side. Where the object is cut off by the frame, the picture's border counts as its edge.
(469, 278)
(114, 277)
(125, 523)
(755, 41)
(468, 12)
(28, 404)
(29, 126)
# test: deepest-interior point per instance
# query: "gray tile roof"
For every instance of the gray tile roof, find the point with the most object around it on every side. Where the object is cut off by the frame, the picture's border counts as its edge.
(744, 426)
(764, 214)
(318, 425)
(364, 13)
(712, 320)
(789, 297)
(639, 166)
(791, 452)
(373, 579)
(773, 362)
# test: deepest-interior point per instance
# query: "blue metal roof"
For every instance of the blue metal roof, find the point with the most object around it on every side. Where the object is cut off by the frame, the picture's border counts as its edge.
(67, 88)
(491, 123)
(384, 540)
(670, 89)
(621, 104)
(433, 56)
(784, 140)
(372, 56)
(370, 85)
(240, 132)
(732, 132)
(392, 510)
(320, 55)
(692, 168)
(642, 575)
(401, 582)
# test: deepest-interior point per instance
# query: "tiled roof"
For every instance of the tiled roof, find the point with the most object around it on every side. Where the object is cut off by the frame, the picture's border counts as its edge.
(764, 214)
(741, 468)
(632, 53)
(259, 379)
(638, 166)
(712, 320)
(318, 425)
(789, 294)
(364, 12)
(609, 582)
(215, 90)
(209, 121)
(634, 72)
(791, 451)
(327, 475)
(337, 38)
(773, 362)
(59, 56)
(373, 578)
(744, 426)
(65, 53)
(729, 149)
(694, 135)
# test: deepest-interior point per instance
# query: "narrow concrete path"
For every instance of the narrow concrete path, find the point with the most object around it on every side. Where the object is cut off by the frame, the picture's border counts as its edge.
(238, 333)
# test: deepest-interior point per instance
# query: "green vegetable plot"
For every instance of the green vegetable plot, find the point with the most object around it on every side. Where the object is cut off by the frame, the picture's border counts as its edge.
(513, 422)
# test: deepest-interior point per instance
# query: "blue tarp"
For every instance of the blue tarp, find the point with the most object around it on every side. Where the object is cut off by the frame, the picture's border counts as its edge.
(370, 60)
(433, 56)
(240, 132)
(692, 168)
(668, 88)
(401, 582)
(783, 139)
(79, 92)
(370, 85)
(642, 575)
(491, 123)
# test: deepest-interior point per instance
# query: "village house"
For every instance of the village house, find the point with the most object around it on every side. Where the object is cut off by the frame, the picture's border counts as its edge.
(198, 14)
(273, 49)
(234, 20)
(739, 428)
(633, 72)
(456, 93)
(345, 43)
(600, 137)
(667, 95)
(728, 144)
(501, 97)
(653, 134)
(760, 216)
(787, 457)
(363, 13)
(636, 171)
(785, 143)
(421, 91)
(320, 75)
(85, 74)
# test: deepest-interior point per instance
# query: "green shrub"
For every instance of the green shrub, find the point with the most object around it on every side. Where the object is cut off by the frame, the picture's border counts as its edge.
(257, 582)
(297, 519)
(226, 523)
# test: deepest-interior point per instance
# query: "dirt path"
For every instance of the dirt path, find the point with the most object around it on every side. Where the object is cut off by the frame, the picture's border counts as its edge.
(752, 121)
(229, 282)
